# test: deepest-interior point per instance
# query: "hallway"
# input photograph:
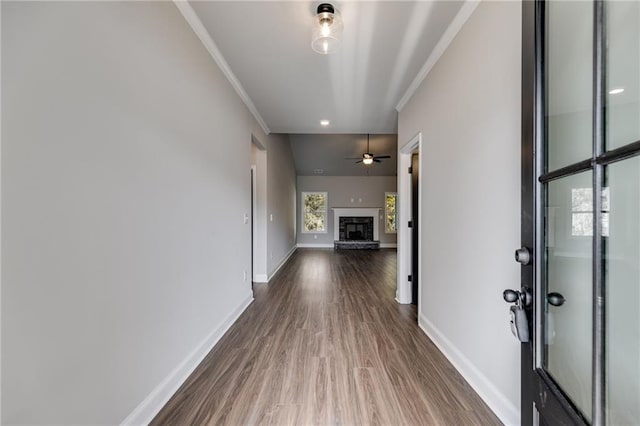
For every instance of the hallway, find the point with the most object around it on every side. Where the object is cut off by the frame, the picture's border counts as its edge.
(326, 343)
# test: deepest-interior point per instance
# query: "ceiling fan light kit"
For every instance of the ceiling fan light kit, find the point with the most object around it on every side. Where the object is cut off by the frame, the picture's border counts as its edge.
(368, 158)
(327, 29)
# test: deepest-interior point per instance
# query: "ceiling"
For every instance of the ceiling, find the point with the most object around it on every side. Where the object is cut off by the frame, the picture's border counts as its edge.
(267, 46)
(314, 152)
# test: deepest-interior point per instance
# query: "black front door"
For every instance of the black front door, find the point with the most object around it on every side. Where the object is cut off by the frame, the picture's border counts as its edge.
(581, 212)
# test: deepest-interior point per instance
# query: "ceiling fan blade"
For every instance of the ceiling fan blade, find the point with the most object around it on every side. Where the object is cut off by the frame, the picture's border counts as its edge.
(353, 158)
(376, 160)
(382, 156)
(358, 162)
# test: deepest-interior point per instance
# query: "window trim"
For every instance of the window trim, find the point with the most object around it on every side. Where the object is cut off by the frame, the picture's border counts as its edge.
(326, 212)
(386, 230)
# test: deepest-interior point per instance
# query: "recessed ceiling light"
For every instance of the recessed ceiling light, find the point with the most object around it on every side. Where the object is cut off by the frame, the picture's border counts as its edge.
(318, 171)
(324, 122)
(616, 91)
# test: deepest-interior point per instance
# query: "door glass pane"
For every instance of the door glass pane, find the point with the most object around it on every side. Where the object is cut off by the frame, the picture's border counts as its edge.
(568, 242)
(622, 254)
(569, 81)
(623, 73)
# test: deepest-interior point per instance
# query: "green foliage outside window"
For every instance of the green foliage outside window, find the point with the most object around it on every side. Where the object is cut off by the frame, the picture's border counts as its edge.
(315, 212)
(390, 211)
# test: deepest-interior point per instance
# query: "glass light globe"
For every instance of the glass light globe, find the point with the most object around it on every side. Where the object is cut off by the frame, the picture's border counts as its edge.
(326, 30)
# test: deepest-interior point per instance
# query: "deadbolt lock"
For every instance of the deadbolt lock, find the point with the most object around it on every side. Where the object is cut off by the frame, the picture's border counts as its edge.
(523, 256)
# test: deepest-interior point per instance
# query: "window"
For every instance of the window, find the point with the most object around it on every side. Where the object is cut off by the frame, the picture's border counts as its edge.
(390, 213)
(582, 212)
(314, 212)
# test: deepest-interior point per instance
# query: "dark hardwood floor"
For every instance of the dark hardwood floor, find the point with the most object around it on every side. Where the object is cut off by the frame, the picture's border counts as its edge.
(326, 343)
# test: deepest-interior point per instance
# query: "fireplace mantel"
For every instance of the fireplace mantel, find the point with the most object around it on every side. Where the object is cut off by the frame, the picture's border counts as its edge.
(357, 212)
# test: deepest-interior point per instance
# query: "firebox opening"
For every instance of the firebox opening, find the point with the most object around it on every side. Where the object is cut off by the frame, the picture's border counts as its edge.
(356, 228)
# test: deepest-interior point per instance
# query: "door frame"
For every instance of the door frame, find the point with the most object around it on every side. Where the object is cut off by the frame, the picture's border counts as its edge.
(403, 287)
(531, 71)
(259, 245)
(254, 222)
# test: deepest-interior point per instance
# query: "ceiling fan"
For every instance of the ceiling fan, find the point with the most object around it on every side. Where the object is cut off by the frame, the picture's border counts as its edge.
(368, 158)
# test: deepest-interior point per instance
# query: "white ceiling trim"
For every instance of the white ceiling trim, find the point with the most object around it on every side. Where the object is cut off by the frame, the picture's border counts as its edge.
(452, 30)
(198, 27)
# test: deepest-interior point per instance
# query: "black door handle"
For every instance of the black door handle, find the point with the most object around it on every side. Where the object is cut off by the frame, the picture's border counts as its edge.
(556, 299)
(522, 297)
(510, 296)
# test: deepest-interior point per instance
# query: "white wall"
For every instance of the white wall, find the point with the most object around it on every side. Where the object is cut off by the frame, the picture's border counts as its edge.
(281, 202)
(125, 179)
(365, 191)
(468, 110)
(280, 213)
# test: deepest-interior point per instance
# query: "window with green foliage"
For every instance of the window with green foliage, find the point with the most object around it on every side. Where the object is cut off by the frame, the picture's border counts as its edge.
(582, 212)
(314, 212)
(390, 212)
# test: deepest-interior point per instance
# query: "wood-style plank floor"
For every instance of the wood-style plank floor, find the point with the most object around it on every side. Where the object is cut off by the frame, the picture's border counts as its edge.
(326, 343)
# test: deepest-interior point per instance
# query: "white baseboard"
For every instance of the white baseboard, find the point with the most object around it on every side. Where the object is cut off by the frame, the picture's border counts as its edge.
(400, 302)
(316, 245)
(153, 403)
(496, 400)
(261, 278)
(282, 262)
(388, 245)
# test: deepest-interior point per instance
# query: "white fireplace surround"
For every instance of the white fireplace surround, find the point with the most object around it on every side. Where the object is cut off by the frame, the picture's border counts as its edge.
(338, 212)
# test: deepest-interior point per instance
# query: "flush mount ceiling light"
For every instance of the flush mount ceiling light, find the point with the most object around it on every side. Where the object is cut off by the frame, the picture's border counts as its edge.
(324, 122)
(327, 28)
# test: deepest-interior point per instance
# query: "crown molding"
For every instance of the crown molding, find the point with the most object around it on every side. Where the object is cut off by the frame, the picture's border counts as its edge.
(198, 27)
(447, 37)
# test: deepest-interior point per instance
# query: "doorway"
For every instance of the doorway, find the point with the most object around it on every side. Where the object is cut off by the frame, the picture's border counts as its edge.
(415, 224)
(580, 212)
(409, 231)
(254, 217)
(259, 212)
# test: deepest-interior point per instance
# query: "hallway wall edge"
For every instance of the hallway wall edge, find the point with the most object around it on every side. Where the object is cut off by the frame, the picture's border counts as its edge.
(144, 413)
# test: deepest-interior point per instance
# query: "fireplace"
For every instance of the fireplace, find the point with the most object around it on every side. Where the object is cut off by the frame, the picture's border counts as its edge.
(356, 228)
